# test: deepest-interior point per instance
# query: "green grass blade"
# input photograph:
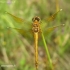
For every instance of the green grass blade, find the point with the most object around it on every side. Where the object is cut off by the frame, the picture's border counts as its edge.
(47, 52)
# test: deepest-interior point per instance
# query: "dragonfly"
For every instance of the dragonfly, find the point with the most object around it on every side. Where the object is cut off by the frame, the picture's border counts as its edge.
(36, 29)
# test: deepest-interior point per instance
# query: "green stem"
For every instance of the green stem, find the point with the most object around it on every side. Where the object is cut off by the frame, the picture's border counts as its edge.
(47, 52)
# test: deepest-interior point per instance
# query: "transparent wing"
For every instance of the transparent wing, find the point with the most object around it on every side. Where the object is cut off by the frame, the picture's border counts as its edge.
(49, 30)
(52, 17)
(17, 19)
(24, 33)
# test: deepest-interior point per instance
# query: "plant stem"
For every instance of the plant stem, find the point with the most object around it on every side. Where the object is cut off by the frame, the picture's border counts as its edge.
(47, 52)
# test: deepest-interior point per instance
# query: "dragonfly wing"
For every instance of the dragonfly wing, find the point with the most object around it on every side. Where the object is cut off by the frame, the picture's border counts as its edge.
(20, 20)
(52, 17)
(17, 19)
(22, 32)
(49, 30)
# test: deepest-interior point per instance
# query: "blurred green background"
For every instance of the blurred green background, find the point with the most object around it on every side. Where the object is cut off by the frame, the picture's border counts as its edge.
(19, 50)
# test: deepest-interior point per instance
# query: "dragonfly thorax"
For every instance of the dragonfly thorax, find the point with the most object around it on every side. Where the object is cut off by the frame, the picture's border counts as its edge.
(35, 27)
(36, 19)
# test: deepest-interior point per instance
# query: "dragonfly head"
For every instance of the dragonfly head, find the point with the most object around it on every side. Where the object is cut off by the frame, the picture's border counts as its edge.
(36, 19)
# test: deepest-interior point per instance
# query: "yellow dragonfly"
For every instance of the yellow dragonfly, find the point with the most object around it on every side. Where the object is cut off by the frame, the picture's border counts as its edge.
(36, 29)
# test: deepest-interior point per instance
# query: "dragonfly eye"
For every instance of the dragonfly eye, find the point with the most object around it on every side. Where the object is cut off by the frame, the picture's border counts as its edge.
(36, 19)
